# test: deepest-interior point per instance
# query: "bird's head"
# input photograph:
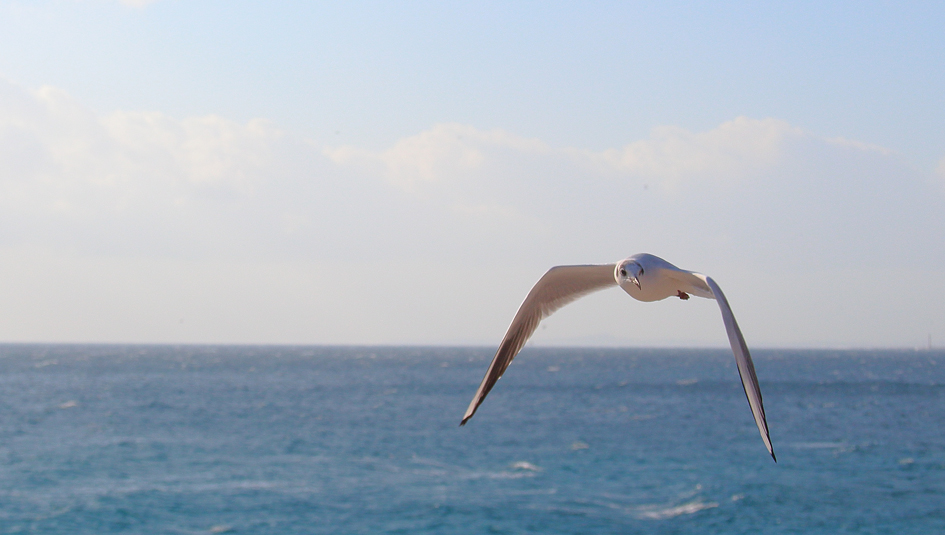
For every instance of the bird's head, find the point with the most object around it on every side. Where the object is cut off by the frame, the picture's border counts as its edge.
(628, 271)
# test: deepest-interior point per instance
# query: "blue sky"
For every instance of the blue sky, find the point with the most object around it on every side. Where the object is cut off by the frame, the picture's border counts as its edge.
(403, 172)
(581, 74)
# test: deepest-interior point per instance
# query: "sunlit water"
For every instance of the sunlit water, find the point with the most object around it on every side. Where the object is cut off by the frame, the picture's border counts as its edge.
(284, 440)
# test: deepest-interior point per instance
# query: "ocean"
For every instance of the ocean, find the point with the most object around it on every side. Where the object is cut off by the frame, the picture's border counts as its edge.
(365, 440)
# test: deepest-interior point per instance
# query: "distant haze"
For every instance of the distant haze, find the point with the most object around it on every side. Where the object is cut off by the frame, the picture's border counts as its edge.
(229, 172)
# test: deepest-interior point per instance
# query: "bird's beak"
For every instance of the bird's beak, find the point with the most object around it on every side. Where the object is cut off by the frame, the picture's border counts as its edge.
(635, 282)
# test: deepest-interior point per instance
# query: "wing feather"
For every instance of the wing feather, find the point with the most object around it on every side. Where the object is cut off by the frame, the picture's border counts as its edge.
(558, 287)
(746, 368)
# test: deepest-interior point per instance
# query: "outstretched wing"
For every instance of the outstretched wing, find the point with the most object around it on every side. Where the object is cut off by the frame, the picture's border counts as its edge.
(558, 287)
(746, 368)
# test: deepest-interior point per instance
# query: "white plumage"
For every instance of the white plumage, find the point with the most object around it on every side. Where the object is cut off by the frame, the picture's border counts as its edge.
(646, 278)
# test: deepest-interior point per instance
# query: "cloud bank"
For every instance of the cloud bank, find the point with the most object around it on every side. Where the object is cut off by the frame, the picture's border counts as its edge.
(455, 214)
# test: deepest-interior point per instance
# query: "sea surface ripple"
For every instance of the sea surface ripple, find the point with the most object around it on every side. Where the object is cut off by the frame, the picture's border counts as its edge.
(312, 440)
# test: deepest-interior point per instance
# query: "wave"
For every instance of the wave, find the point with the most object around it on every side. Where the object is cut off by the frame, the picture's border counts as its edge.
(525, 465)
(652, 512)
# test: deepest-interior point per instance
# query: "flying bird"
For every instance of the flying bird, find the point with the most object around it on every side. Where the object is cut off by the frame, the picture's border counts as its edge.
(646, 278)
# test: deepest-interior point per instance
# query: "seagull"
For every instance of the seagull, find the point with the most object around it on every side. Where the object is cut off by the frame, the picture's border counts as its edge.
(646, 278)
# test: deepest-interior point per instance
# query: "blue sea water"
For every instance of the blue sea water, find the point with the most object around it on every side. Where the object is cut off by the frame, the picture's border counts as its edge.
(308, 440)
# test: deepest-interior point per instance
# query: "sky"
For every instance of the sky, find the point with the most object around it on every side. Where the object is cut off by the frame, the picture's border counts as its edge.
(402, 172)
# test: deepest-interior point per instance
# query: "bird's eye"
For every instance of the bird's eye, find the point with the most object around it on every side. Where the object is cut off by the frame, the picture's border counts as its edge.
(641, 271)
(623, 272)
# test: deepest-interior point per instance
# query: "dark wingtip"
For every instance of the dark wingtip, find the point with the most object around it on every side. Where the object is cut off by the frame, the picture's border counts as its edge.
(772, 456)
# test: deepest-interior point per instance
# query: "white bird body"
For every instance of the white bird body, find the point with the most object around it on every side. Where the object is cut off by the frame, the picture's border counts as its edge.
(646, 278)
(658, 279)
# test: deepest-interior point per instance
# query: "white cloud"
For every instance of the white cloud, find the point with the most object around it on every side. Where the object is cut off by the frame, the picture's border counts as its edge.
(62, 146)
(203, 150)
(210, 185)
(69, 176)
(735, 150)
(445, 153)
(452, 214)
(451, 152)
(756, 181)
(672, 158)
